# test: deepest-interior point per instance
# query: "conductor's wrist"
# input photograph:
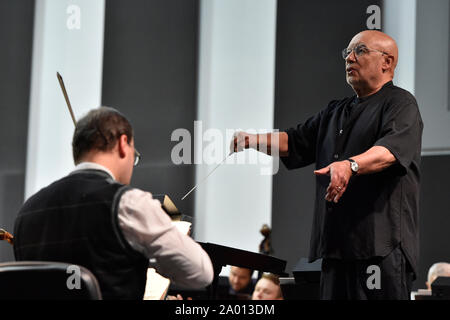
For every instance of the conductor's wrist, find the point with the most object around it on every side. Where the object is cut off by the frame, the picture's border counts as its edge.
(254, 141)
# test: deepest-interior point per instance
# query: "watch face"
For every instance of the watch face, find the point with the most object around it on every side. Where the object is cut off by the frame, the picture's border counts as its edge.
(355, 167)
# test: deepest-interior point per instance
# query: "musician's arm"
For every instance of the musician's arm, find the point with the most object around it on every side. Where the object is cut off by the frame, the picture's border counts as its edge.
(150, 231)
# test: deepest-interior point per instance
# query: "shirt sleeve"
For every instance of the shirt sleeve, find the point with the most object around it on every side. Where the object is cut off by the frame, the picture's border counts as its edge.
(401, 132)
(149, 230)
(302, 142)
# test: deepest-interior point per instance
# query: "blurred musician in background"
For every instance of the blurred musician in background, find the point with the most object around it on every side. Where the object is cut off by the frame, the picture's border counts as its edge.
(268, 288)
(241, 283)
(440, 269)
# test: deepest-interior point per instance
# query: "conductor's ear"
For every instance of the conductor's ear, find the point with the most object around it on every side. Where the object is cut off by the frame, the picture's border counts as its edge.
(388, 63)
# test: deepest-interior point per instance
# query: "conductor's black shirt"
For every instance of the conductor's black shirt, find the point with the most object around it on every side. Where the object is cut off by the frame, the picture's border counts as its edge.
(378, 211)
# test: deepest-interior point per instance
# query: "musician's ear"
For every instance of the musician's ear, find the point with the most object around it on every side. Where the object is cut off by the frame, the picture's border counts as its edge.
(122, 144)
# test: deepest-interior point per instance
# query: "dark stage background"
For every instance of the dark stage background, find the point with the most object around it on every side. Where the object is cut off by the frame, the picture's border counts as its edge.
(150, 74)
(16, 37)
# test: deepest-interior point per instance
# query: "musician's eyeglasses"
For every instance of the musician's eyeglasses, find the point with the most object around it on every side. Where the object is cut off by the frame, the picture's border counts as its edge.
(137, 157)
(359, 51)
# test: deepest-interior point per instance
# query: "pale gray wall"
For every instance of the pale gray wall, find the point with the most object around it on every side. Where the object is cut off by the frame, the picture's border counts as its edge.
(432, 73)
(236, 89)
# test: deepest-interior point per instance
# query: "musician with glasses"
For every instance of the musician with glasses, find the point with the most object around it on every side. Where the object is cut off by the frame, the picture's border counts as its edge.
(366, 149)
(93, 218)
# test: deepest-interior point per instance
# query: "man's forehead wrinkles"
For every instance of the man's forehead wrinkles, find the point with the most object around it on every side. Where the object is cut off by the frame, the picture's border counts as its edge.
(354, 45)
(360, 44)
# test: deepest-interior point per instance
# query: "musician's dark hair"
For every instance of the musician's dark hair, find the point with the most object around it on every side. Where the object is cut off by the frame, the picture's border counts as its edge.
(100, 130)
(250, 271)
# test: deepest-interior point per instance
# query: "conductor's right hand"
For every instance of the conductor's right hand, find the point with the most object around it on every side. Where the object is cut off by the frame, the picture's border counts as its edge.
(242, 140)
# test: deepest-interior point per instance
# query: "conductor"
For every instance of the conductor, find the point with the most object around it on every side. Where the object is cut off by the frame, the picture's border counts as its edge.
(366, 149)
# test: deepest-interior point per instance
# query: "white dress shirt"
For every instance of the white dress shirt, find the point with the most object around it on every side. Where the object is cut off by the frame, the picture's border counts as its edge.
(149, 230)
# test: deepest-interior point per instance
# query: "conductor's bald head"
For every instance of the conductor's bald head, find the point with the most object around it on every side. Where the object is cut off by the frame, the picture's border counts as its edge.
(371, 58)
(380, 41)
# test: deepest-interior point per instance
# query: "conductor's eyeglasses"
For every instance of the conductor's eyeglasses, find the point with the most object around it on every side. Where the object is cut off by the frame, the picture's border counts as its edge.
(359, 51)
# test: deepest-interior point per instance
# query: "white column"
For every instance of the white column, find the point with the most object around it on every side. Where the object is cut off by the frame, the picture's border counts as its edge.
(236, 90)
(399, 21)
(68, 37)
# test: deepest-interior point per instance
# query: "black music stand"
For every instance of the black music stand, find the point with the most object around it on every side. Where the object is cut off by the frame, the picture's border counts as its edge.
(222, 256)
(305, 285)
(440, 288)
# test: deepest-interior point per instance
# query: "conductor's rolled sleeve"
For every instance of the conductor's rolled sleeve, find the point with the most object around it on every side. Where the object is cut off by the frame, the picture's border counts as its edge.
(401, 132)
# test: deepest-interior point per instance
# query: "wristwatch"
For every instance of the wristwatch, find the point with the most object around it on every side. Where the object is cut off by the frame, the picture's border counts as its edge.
(353, 166)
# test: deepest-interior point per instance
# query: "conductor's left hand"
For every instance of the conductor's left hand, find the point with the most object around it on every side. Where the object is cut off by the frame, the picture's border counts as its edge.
(340, 174)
